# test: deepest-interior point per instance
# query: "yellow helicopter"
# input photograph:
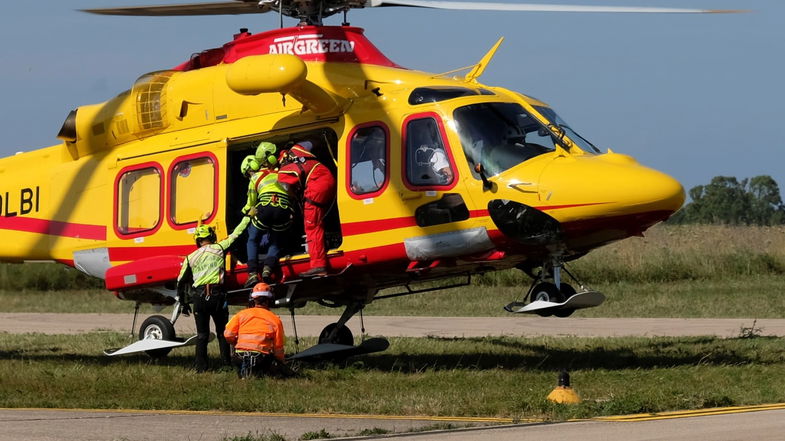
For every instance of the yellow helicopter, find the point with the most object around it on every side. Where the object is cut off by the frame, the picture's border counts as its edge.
(516, 186)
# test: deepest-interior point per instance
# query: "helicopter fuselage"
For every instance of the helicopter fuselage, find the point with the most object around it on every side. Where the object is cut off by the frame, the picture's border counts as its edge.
(436, 176)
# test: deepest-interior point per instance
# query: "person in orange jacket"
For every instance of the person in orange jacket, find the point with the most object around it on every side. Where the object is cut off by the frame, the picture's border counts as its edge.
(313, 181)
(257, 334)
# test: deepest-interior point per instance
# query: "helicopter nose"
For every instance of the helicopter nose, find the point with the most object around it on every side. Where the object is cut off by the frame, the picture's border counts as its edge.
(587, 201)
(662, 191)
(644, 189)
(612, 186)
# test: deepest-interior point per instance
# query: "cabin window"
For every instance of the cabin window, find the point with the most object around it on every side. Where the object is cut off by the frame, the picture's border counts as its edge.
(192, 191)
(138, 208)
(428, 161)
(369, 153)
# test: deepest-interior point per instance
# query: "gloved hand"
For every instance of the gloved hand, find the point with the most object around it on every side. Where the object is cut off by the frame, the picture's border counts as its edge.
(185, 310)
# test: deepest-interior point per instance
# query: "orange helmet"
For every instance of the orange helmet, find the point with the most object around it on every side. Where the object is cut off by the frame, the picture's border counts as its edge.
(261, 290)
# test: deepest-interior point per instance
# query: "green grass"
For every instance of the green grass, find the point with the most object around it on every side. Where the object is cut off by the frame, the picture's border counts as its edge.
(501, 377)
(44, 277)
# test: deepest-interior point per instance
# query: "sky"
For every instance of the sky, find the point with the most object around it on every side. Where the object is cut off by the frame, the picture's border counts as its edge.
(695, 96)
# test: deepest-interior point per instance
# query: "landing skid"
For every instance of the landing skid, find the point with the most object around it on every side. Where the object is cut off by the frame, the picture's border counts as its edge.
(586, 299)
(150, 344)
(327, 351)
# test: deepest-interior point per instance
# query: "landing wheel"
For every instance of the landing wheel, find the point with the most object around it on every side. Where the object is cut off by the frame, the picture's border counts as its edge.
(546, 292)
(157, 327)
(567, 291)
(342, 337)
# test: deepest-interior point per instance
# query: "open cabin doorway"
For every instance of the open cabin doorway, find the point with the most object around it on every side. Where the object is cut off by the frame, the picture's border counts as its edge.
(325, 147)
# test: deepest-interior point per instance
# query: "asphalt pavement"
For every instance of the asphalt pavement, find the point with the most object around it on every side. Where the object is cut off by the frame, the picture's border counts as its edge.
(764, 423)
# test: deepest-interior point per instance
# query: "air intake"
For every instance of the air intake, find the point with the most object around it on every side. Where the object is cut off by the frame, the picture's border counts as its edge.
(150, 94)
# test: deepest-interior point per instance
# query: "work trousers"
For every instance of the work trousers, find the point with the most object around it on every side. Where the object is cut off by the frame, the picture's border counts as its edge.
(278, 222)
(257, 239)
(252, 364)
(214, 307)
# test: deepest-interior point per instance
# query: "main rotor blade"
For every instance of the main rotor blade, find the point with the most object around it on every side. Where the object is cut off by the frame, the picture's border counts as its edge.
(256, 7)
(531, 7)
(220, 8)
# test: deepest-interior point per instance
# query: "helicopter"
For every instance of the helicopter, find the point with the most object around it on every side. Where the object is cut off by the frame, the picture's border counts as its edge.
(521, 189)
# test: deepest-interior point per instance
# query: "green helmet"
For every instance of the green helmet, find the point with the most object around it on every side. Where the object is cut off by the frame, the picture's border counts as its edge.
(204, 232)
(265, 154)
(249, 164)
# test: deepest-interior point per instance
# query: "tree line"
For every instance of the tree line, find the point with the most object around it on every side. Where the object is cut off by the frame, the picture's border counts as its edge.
(729, 201)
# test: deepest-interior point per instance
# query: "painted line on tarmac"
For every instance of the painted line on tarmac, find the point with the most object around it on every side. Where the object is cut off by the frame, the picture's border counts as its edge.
(286, 415)
(691, 413)
(616, 418)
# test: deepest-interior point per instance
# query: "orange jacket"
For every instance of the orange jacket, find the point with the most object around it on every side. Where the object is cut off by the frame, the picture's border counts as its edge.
(256, 329)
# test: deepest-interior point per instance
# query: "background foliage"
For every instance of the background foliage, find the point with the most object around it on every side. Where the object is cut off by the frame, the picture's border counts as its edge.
(728, 201)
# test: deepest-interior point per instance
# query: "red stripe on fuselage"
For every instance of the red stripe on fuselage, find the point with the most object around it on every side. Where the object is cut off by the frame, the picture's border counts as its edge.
(365, 227)
(374, 226)
(53, 228)
(123, 254)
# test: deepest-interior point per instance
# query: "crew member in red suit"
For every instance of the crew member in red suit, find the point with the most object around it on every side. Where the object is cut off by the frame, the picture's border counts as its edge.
(310, 179)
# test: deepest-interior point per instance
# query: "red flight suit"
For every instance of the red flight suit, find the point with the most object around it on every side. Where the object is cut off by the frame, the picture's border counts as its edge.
(317, 185)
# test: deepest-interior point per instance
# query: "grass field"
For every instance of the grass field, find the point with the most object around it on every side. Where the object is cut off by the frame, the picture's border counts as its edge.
(502, 377)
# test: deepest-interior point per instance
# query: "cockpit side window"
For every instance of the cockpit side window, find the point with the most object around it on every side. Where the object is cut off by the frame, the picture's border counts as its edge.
(499, 136)
(428, 162)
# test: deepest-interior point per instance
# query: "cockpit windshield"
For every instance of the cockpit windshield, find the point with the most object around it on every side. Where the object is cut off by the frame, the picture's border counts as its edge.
(499, 136)
(582, 142)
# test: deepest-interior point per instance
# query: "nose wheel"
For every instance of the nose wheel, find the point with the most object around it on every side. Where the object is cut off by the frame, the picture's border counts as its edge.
(549, 296)
(547, 292)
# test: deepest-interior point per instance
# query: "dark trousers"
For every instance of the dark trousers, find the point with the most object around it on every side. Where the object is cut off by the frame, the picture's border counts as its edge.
(252, 364)
(256, 364)
(277, 221)
(258, 239)
(214, 307)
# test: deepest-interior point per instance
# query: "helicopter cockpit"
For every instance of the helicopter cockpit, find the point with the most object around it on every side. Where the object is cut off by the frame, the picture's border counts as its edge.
(499, 136)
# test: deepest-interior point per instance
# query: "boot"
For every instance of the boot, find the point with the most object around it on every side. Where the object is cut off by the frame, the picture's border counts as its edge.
(319, 271)
(267, 274)
(253, 279)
